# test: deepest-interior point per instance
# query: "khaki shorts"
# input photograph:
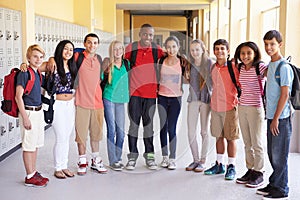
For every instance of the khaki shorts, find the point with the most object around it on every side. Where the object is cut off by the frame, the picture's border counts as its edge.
(33, 138)
(88, 120)
(225, 124)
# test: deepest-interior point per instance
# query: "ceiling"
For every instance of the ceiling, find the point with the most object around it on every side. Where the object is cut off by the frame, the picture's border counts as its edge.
(160, 9)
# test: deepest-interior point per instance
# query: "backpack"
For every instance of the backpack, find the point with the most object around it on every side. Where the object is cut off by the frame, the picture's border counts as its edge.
(105, 77)
(295, 93)
(80, 60)
(232, 76)
(135, 50)
(161, 61)
(262, 90)
(9, 105)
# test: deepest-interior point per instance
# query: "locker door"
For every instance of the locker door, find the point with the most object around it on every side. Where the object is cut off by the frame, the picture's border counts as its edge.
(11, 132)
(3, 134)
(17, 39)
(2, 51)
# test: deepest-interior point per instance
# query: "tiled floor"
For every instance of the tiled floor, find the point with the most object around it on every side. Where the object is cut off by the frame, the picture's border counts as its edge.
(140, 184)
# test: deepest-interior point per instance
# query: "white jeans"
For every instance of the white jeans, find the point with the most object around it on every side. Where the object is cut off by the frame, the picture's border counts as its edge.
(63, 126)
(194, 108)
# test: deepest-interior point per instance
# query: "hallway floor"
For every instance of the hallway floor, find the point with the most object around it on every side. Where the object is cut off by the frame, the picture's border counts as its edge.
(140, 184)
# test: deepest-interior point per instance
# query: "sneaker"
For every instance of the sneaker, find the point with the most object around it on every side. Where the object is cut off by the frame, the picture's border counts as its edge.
(172, 164)
(82, 168)
(36, 181)
(216, 169)
(230, 173)
(264, 191)
(191, 166)
(275, 194)
(150, 161)
(199, 168)
(121, 164)
(244, 179)
(165, 162)
(44, 179)
(131, 164)
(116, 166)
(97, 165)
(256, 180)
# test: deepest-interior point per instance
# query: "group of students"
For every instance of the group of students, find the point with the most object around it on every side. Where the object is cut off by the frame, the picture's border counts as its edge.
(139, 75)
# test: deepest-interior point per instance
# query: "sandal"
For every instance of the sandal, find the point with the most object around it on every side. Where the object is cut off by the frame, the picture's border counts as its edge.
(59, 175)
(68, 173)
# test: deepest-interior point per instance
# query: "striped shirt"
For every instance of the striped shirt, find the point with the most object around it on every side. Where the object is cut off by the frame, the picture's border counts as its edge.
(251, 92)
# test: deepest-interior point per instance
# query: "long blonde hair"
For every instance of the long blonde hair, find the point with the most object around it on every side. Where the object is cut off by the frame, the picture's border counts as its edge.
(205, 61)
(112, 58)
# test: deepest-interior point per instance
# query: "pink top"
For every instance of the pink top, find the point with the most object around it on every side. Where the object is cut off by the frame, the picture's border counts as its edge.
(251, 92)
(224, 95)
(89, 93)
(170, 80)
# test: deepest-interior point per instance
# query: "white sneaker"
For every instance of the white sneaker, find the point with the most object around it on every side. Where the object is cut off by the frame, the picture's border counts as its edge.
(97, 164)
(82, 168)
(172, 164)
(165, 162)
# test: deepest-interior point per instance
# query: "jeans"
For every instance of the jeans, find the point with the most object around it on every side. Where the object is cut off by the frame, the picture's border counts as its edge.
(168, 110)
(198, 109)
(278, 151)
(138, 108)
(114, 114)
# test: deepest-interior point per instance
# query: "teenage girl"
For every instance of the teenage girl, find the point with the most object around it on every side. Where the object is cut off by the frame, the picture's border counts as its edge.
(251, 111)
(199, 78)
(115, 95)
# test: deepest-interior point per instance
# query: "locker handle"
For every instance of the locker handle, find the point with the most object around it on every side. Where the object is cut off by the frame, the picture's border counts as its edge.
(10, 126)
(16, 36)
(8, 35)
(44, 37)
(39, 37)
(1, 34)
(2, 130)
(17, 122)
(1, 82)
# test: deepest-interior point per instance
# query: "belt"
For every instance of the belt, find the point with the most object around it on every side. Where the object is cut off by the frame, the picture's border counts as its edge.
(33, 108)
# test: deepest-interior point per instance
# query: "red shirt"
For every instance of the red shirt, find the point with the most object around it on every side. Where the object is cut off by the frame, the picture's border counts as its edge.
(143, 81)
(224, 95)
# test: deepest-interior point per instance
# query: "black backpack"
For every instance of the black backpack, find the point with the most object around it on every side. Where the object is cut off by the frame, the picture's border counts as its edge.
(295, 93)
(105, 79)
(80, 60)
(232, 76)
(134, 51)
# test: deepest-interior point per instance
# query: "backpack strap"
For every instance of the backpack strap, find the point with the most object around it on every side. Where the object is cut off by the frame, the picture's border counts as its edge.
(154, 52)
(160, 62)
(79, 60)
(126, 64)
(232, 76)
(277, 72)
(134, 49)
(31, 80)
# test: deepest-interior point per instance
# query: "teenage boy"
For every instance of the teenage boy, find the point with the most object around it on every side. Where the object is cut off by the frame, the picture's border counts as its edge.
(224, 115)
(279, 126)
(31, 117)
(143, 93)
(89, 106)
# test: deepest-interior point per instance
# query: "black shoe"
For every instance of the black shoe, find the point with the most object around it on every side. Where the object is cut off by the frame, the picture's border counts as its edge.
(256, 180)
(264, 191)
(276, 194)
(244, 179)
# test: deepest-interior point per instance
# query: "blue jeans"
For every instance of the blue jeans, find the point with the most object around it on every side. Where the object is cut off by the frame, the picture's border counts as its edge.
(278, 151)
(114, 114)
(140, 108)
(168, 110)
